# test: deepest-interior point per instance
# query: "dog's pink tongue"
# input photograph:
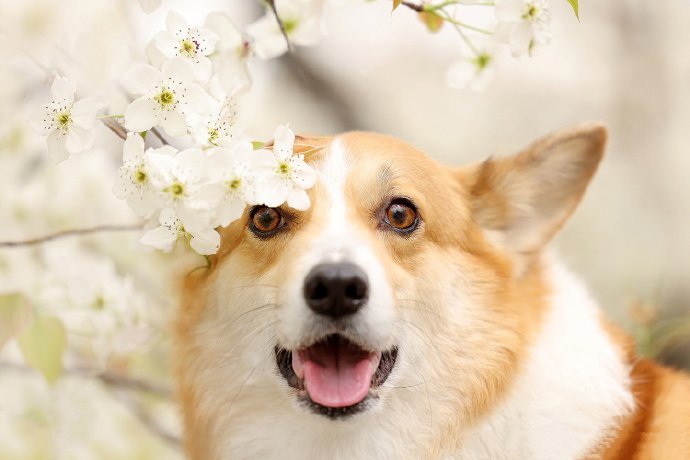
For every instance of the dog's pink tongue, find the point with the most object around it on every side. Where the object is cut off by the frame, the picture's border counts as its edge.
(336, 374)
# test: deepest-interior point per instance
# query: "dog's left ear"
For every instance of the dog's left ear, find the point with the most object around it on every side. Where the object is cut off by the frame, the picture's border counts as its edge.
(526, 198)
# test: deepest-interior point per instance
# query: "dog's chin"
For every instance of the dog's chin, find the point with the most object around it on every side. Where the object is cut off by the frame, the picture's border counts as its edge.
(334, 376)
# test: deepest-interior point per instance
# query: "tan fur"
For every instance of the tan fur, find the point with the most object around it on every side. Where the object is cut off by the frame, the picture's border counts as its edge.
(462, 211)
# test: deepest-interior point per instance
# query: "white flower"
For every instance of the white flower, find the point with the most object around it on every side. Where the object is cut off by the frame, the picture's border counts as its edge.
(302, 22)
(283, 176)
(233, 181)
(233, 52)
(68, 125)
(524, 24)
(134, 176)
(190, 43)
(203, 241)
(179, 178)
(167, 96)
(474, 72)
(219, 128)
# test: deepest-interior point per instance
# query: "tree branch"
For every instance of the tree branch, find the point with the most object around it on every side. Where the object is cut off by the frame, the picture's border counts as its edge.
(115, 127)
(413, 6)
(110, 378)
(66, 233)
(159, 136)
(272, 5)
(144, 416)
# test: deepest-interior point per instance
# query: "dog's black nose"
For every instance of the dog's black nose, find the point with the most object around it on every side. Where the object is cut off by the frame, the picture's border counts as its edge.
(336, 289)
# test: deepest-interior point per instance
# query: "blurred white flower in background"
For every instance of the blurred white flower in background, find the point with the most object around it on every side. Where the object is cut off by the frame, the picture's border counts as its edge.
(474, 72)
(523, 24)
(166, 96)
(233, 52)
(68, 124)
(190, 43)
(302, 22)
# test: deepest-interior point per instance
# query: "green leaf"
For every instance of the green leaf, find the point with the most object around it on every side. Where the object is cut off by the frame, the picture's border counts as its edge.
(43, 344)
(257, 145)
(396, 3)
(432, 20)
(15, 313)
(574, 4)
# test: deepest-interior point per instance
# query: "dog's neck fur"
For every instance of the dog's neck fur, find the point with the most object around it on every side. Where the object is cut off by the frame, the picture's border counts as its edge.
(573, 387)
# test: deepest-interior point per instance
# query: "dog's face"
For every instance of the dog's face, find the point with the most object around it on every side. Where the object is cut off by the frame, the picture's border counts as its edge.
(408, 289)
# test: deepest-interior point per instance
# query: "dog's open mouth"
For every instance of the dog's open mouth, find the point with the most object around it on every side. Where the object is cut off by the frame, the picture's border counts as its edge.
(335, 374)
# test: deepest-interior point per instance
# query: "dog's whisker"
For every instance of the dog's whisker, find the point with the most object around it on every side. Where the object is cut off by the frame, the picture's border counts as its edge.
(425, 336)
(236, 318)
(249, 336)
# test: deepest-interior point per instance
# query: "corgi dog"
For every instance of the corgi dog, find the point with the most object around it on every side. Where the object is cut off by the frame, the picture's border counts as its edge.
(414, 312)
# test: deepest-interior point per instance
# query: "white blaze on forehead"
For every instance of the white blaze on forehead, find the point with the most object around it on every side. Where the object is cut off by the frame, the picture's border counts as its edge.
(333, 176)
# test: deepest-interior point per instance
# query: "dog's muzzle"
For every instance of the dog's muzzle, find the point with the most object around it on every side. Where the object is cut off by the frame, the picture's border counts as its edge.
(335, 374)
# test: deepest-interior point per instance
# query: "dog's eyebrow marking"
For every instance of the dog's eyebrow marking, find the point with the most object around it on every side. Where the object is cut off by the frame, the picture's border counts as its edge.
(333, 175)
(385, 176)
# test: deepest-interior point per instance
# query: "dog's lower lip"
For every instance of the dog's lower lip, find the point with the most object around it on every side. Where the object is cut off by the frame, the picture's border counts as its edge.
(284, 361)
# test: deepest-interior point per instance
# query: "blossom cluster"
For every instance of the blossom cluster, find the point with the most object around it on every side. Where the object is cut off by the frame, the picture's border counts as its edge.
(520, 26)
(187, 95)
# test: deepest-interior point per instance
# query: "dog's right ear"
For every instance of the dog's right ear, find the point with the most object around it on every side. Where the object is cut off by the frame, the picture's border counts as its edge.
(526, 198)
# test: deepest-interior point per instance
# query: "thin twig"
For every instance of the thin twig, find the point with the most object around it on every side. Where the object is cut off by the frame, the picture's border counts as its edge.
(413, 6)
(159, 136)
(115, 127)
(109, 378)
(66, 233)
(272, 5)
(144, 416)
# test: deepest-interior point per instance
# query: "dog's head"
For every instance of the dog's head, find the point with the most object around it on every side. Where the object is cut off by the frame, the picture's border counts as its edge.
(407, 290)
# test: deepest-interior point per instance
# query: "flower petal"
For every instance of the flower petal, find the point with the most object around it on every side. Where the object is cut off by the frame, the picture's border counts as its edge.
(142, 114)
(144, 202)
(56, 147)
(174, 124)
(229, 37)
(206, 242)
(175, 23)
(298, 199)
(41, 122)
(166, 43)
(268, 39)
(78, 139)
(124, 184)
(179, 69)
(140, 78)
(84, 112)
(191, 165)
(62, 89)
(272, 190)
(133, 149)
(162, 238)
(198, 99)
(230, 209)
(283, 142)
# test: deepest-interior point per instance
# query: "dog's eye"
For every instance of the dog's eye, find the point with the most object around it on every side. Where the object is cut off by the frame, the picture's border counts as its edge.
(265, 220)
(402, 216)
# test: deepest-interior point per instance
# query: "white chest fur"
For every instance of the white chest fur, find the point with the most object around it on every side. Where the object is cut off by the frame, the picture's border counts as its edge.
(573, 387)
